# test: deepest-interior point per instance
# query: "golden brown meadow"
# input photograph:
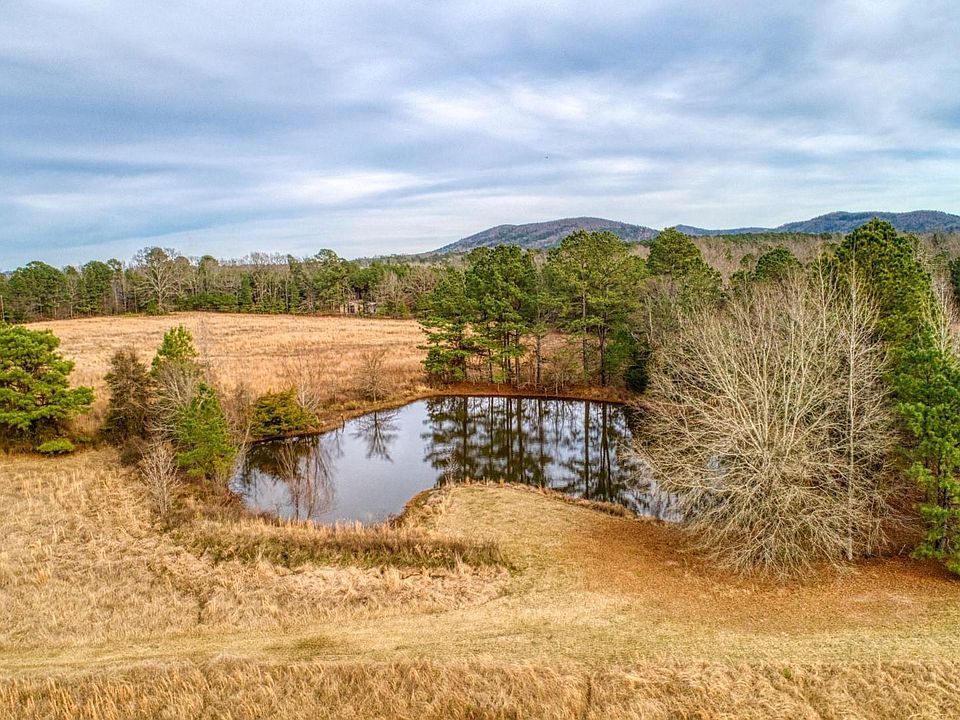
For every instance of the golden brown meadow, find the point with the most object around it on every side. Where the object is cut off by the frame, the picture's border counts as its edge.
(553, 610)
(256, 350)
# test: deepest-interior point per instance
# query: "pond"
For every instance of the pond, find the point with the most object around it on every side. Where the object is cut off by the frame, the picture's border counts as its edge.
(368, 469)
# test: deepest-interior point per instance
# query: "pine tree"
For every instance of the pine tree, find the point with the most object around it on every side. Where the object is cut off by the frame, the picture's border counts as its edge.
(596, 280)
(245, 298)
(36, 400)
(202, 439)
(927, 379)
(775, 265)
(674, 256)
(130, 385)
(446, 322)
(177, 347)
(499, 283)
(925, 373)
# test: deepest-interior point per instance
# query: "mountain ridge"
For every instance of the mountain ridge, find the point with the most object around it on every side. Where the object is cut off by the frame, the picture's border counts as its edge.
(547, 234)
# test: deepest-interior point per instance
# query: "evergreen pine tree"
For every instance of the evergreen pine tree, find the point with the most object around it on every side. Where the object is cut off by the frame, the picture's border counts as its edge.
(36, 400)
(201, 436)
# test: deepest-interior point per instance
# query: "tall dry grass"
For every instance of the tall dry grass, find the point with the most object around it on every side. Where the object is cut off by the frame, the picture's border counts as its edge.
(104, 616)
(83, 562)
(295, 544)
(475, 691)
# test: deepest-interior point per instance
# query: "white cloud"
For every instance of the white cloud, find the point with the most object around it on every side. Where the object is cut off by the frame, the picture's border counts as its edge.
(381, 126)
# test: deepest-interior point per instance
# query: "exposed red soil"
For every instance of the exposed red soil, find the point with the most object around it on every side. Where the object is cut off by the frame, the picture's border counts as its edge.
(650, 563)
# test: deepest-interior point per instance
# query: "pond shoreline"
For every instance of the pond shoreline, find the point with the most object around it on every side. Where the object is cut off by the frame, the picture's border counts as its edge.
(217, 501)
(336, 417)
(376, 462)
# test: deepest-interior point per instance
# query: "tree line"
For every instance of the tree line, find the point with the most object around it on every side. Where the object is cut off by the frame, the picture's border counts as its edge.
(492, 316)
(159, 280)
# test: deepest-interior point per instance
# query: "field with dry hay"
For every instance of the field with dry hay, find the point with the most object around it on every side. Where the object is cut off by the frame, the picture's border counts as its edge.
(104, 614)
(259, 351)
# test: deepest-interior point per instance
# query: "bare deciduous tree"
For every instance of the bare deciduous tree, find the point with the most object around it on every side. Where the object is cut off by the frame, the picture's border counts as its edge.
(371, 379)
(769, 422)
(161, 274)
(158, 468)
(305, 373)
(944, 317)
(175, 386)
(562, 368)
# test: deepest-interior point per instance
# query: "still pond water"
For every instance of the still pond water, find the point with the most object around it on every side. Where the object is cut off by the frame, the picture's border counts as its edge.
(368, 469)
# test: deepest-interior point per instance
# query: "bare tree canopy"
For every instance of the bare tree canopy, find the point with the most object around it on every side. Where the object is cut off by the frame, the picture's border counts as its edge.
(769, 421)
(161, 274)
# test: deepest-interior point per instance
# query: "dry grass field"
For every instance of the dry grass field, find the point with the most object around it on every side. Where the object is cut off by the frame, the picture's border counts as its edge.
(105, 614)
(263, 352)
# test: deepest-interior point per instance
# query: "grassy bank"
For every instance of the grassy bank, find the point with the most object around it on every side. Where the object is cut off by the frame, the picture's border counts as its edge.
(101, 611)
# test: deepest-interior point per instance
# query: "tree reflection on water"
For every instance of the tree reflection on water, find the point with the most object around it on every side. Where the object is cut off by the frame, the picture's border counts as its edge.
(378, 430)
(304, 468)
(576, 447)
(368, 469)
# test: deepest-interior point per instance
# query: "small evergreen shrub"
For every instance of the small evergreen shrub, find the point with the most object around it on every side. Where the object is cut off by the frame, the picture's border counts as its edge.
(131, 389)
(58, 446)
(277, 414)
(637, 376)
(177, 346)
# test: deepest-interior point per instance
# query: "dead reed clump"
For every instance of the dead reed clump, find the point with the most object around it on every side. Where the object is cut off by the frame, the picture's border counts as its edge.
(293, 545)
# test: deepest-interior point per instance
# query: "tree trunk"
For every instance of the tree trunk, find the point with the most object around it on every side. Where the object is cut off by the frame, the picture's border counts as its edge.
(583, 331)
(602, 338)
(538, 359)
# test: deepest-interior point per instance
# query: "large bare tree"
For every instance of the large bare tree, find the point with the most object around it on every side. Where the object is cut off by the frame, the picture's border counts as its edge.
(769, 422)
(161, 273)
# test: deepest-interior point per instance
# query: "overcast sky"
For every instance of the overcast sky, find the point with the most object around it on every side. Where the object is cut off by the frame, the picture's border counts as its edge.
(375, 127)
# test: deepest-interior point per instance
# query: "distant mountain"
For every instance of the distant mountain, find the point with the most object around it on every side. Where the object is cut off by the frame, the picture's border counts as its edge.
(701, 232)
(917, 221)
(546, 234)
